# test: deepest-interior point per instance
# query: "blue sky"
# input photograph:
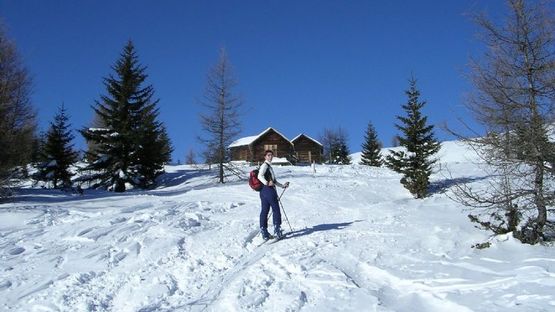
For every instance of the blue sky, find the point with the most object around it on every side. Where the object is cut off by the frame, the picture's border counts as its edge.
(302, 66)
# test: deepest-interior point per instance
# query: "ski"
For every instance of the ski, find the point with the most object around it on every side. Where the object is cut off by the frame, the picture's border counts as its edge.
(274, 240)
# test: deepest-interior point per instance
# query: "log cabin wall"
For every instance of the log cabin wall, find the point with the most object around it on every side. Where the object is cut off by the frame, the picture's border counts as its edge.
(307, 150)
(240, 153)
(272, 140)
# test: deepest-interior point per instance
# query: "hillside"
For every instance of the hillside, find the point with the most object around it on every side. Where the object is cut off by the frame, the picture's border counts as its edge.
(358, 242)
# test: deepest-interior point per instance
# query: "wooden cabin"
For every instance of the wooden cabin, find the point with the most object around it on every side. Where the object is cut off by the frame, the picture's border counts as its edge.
(252, 148)
(307, 150)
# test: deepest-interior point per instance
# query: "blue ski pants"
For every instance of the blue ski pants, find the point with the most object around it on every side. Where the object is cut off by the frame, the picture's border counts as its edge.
(269, 198)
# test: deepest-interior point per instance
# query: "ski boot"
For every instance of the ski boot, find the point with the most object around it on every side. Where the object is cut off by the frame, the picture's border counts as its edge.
(265, 235)
(278, 233)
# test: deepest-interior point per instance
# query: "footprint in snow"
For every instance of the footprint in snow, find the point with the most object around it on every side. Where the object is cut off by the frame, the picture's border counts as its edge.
(85, 231)
(188, 223)
(5, 285)
(118, 257)
(118, 220)
(16, 251)
(84, 278)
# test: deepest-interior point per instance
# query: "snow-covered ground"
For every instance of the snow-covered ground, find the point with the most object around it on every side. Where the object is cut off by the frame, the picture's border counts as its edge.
(358, 242)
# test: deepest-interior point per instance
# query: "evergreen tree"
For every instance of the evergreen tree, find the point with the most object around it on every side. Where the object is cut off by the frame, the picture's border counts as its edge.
(97, 123)
(153, 148)
(131, 146)
(57, 154)
(416, 161)
(335, 146)
(371, 148)
(339, 150)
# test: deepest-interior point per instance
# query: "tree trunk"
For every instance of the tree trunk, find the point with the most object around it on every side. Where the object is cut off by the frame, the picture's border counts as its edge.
(539, 199)
(221, 172)
(120, 186)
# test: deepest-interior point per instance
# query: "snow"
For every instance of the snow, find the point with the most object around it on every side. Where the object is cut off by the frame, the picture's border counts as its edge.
(99, 129)
(359, 242)
(280, 161)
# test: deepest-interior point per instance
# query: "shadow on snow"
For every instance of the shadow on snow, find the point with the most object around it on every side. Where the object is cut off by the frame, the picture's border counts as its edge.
(321, 228)
(442, 186)
(52, 196)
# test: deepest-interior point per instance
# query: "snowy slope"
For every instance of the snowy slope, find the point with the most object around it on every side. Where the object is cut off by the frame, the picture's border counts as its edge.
(359, 242)
(450, 152)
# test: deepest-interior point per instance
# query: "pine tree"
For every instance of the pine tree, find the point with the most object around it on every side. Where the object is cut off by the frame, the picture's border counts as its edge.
(340, 150)
(57, 154)
(153, 148)
(416, 161)
(371, 148)
(132, 146)
(336, 150)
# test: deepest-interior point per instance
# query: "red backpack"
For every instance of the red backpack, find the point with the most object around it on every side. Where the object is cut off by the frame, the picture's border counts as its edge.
(254, 183)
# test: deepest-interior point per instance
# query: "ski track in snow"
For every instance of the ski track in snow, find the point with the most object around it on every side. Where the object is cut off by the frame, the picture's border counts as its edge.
(359, 242)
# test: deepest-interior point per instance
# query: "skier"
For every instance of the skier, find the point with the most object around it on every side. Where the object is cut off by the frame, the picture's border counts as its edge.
(269, 197)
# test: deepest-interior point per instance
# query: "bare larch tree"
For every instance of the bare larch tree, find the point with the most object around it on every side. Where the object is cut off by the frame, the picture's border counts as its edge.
(514, 100)
(221, 119)
(17, 115)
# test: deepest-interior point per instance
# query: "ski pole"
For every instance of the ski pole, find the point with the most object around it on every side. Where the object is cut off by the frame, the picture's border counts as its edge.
(282, 193)
(279, 200)
(281, 204)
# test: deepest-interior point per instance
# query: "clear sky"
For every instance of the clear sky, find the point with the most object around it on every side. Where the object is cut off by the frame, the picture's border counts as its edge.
(302, 66)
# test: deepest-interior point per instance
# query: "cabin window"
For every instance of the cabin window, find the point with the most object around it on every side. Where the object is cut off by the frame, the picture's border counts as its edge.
(271, 147)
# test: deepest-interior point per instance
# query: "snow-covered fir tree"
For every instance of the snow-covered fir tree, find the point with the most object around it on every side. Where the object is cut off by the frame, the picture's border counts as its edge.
(132, 145)
(340, 151)
(371, 148)
(416, 160)
(57, 154)
(336, 150)
(153, 148)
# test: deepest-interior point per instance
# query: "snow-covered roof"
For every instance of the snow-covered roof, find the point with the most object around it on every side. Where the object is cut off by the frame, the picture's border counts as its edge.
(248, 140)
(302, 134)
(243, 141)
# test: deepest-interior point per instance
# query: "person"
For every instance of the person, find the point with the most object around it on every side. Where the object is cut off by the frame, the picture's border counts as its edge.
(269, 197)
